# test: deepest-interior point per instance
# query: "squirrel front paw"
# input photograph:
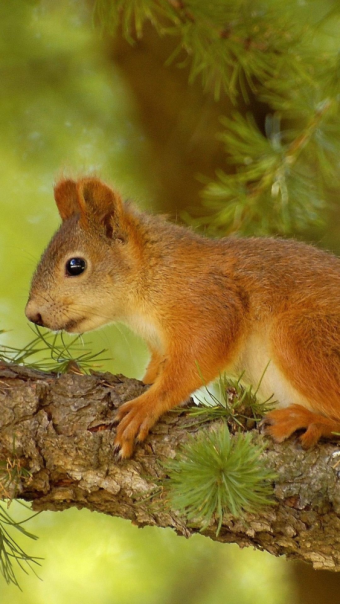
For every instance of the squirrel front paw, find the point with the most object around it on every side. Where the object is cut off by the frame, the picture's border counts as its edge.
(135, 420)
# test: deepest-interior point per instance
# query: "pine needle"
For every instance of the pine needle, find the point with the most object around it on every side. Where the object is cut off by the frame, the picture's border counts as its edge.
(53, 352)
(214, 474)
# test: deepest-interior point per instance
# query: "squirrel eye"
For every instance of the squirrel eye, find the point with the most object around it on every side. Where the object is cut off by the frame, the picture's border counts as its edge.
(75, 266)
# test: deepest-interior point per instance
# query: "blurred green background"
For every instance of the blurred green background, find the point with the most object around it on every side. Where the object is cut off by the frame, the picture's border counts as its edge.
(72, 102)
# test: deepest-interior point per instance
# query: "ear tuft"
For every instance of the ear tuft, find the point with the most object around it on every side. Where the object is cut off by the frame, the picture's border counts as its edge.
(102, 205)
(65, 195)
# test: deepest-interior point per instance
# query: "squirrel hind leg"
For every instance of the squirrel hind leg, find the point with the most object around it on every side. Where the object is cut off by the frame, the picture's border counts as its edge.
(305, 347)
(282, 423)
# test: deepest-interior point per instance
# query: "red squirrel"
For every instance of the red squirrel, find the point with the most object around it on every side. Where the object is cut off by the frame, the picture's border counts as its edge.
(203, 306)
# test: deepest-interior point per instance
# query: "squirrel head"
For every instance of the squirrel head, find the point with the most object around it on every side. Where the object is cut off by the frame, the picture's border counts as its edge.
(86, 272)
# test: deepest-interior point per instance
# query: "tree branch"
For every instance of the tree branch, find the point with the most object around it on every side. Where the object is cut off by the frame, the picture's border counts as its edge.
(61, 429)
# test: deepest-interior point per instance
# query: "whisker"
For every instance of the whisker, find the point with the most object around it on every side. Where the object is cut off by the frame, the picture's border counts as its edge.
(79, 311)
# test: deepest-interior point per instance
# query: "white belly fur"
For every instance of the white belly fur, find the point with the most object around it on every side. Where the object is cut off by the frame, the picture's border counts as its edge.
(146, 329)
(257, 366)
(254, 362)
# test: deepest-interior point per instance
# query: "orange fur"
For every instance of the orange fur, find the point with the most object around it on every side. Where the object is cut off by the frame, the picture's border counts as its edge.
(203, 306)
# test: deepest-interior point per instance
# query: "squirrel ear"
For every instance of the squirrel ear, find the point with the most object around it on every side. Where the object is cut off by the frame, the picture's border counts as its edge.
(66, 197)
(102, 204)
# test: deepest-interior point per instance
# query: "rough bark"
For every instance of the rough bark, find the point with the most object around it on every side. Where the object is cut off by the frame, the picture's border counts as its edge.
(63, 427)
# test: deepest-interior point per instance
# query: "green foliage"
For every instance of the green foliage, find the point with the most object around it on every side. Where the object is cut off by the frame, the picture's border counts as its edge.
(220, 38)
(274, 189)
(282, 60)
(234, 402)
(10, 551)
(56, 352)
(214, 474)
(131, 14)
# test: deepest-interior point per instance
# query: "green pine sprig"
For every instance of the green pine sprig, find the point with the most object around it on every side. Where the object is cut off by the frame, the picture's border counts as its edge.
(234, 401)
(282, 57)
(53, 352)
(214, 474)
(10, 551)
(233, 47)
(280, 177)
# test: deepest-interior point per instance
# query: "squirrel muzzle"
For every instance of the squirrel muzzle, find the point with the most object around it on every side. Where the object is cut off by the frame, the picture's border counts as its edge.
(33, 314)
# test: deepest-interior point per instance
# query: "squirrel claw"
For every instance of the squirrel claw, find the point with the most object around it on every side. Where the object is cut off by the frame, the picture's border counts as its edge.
(135, 421)
(265, 421)
(123, 450)
(116, 449)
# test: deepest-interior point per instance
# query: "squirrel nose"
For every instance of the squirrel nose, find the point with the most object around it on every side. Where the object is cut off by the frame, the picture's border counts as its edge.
(33, 314)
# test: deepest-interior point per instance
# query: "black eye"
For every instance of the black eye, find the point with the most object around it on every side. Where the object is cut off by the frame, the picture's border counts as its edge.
(75, 266)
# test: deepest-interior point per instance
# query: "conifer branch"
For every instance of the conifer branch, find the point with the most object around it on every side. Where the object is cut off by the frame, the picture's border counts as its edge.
(64, 438)
(264, 196)
(279, 179)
